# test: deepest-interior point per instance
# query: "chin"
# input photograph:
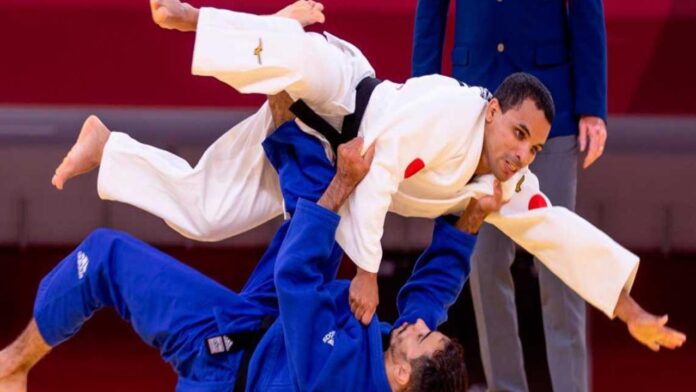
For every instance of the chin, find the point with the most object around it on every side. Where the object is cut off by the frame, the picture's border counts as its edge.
(502, 176)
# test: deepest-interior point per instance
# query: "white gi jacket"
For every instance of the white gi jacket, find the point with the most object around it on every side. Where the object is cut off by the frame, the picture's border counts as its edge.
(428, 133)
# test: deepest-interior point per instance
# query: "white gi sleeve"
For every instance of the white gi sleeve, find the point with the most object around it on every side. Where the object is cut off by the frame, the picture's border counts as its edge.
(583, 257)
(267, 54)
(232, 189)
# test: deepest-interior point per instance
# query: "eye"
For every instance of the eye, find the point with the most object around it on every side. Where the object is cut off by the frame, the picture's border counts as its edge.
(519, 134)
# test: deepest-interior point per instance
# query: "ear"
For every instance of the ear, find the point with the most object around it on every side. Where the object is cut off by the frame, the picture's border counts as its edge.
(492, 108)
(403, 373)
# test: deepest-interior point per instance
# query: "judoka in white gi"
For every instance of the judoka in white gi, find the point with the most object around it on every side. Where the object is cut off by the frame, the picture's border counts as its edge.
(438, 145)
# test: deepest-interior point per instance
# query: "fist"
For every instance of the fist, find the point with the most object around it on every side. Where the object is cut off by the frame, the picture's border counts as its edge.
(352, 165)
(472, 218)
(364, 296)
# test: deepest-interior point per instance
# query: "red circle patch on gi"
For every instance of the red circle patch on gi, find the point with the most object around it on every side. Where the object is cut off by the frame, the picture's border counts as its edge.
(537, 201)
(414, 167)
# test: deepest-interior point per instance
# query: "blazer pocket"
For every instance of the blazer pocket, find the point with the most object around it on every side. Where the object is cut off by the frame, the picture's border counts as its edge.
(550, 55)
(460, 56)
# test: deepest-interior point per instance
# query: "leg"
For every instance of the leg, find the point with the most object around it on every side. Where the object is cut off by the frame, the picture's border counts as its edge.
(493, 294)
(170, 306)
(563, 310)
(232, 189)
(19, 357)
(266, 55)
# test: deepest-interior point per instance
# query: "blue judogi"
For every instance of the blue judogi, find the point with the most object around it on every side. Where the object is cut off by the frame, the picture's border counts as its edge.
(315, 340)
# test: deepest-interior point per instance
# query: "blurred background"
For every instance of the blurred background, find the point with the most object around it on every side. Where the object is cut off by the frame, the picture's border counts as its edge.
(61, 60)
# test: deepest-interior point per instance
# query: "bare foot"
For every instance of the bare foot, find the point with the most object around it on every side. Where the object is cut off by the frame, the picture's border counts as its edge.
(174, 15)
(86, 154)
(15, 382)
(307, 12)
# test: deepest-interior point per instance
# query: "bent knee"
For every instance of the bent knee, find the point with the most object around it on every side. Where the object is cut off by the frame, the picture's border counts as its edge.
(104, 233)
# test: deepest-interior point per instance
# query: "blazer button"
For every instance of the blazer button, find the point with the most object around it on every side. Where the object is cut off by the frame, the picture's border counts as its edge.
(501, 47)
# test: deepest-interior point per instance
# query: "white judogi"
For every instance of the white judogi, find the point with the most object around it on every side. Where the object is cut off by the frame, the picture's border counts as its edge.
(429, 135)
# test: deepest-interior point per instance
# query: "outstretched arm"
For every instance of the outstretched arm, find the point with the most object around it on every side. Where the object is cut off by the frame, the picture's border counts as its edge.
(587, 260)
(307, 308)
(443, 268)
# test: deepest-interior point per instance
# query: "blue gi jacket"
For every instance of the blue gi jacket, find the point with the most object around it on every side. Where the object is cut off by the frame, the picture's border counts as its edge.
(317, 344)
(563, 45)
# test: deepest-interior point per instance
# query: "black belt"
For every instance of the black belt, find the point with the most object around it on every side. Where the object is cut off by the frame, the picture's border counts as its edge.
(235, 342)
(351, 123)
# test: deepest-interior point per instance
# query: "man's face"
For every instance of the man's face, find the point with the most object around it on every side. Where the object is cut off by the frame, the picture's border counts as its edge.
(412, 341)
(512, 139)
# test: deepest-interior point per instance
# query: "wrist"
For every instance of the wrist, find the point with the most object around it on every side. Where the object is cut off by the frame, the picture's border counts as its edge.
(336, 194)
(627, 309)
(471, 219)
(365, 274)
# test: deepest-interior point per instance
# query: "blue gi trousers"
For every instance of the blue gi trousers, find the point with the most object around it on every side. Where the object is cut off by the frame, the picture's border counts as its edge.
(170, 306)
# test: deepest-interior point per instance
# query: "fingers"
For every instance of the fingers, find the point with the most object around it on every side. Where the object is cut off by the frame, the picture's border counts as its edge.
(370, 154)
(653, 346)
(363, 312)
(663, 320)
(671, 338)
(593, 150)
(582, 137)
(367, 316)
(596, 132)
(497, 189)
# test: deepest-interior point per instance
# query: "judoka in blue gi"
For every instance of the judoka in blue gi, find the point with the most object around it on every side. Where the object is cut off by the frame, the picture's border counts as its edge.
(210, 334)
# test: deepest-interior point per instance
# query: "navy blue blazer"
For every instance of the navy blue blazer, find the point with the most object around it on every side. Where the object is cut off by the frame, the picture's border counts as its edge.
(562, 43)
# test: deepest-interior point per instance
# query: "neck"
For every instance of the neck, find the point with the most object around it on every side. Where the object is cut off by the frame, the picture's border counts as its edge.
(483, 166)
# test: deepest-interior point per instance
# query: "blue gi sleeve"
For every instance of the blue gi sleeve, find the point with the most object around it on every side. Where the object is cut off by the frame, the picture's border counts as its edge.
(589, 53)
(438, 277)
(429, 36)
(307, 308)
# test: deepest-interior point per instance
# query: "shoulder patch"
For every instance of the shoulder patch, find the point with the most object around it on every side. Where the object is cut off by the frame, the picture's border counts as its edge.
(537, 201)
(414, 167)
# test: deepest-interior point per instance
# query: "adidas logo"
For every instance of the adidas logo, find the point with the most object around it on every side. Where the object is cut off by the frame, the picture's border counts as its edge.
(228, 343)
(329, 338)
(82, 263)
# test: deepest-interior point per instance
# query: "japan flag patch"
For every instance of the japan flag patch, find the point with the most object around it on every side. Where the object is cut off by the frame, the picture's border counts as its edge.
(537, 201)
(414, 167)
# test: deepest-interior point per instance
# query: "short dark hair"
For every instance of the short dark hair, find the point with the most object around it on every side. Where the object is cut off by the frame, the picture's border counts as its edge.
(520, 86)
(445, 371)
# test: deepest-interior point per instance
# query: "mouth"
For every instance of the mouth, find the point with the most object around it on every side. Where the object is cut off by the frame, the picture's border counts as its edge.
(510, 168)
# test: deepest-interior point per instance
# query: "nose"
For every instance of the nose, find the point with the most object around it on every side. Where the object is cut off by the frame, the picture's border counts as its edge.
(524, 156)
(421, 326)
